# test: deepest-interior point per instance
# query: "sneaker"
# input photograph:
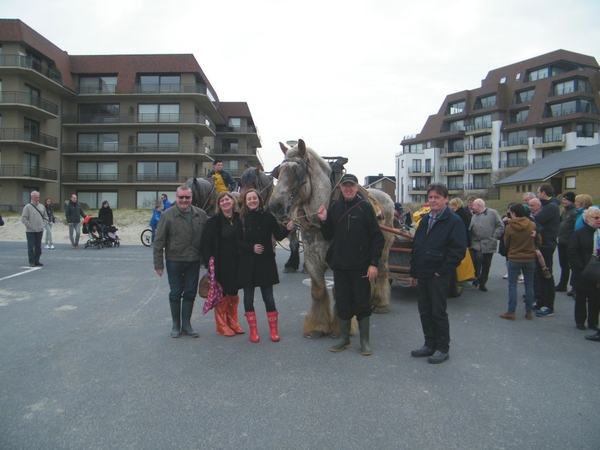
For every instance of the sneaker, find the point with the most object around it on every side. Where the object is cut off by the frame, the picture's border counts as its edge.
(505, 277)
(46, 246)
(535, 306)
(545, 312)
(52, 247)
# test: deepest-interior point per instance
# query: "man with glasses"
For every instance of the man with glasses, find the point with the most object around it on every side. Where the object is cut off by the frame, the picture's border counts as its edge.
(178, 236)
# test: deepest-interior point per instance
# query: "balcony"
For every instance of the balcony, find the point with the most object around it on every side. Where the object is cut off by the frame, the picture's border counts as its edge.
(479, 147)
(452, 151)
(484, 166)
(233, 151)
(112, 148)
(452, 168)
(417, 189)
(18, 135)
(478, 186)
(124, 178)
(27, 62)
(514, 164)
(175, 88)
(478, 128)
(105, 89)
(19, 171)
(514, 144)
(137, 119)
(551, 141)
(29, 102)
(455, 188)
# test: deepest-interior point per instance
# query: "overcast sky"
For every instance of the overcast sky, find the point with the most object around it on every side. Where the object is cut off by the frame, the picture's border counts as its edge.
(349, 77)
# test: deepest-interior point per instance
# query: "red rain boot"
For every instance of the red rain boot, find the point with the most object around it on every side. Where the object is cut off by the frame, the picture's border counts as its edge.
(232, 314)
(251, 317)
(273, 325)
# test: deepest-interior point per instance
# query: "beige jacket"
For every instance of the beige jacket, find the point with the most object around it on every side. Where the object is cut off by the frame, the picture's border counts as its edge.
(34, 221)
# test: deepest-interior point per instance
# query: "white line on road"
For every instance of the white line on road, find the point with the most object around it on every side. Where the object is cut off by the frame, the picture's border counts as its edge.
(29, 269)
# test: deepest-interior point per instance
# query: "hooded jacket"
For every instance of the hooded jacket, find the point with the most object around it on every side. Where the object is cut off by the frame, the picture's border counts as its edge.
(518, 240)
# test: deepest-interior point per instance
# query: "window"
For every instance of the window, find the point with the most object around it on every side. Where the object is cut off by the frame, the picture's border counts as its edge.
(26, 193)
(31, 129)
(456, 107)
(585, 130)
(482, 162)
(457, 146)
(553, 134)
(97, 171)
(484, 141)
(569, 86)
(455, 183)
(98, 142)
(231, 167)
(416, 166)
(33, 95)
(97, 84)
(158, 142)
(538, 74)
(518, 116)
(523, 96)
(94, 199)
(157, 171)
(160, 83)
(98, 113)
(481, 181)
(517, 138)
(457, 125)
(428, 167)
(31, 164)
(580, 105)
(235, 124)
(455, 164)
(570, 182)
(413, 148)
(547, 152)
(159, 113)
(483, 122)
(487, 101)
(516, 159)
(149, 199)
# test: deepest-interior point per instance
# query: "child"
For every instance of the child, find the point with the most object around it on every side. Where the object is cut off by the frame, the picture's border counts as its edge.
(155, 218)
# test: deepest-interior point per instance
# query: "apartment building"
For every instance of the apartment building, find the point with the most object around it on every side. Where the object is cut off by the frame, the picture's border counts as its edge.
(521, 113)
(122, 128)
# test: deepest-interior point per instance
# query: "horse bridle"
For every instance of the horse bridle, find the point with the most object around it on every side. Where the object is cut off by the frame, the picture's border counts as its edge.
(300, 175)
(195, 194)
(257, 186)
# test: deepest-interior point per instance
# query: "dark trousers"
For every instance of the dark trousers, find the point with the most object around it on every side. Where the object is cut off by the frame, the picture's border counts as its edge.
(183, 280)
(352, 294)
(563, 260)
(482, 263)
(589, 298)
(267, 295)
(34, 246)
(432, 294)
(544, 287)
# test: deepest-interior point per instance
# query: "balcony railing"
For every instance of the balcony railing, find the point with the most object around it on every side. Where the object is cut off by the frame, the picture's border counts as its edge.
(417, 188)
(485, 165)
(478, 146)
(138, 118)
(148, 148)
(227, 129)
(478, 126)
(229, 151)
(557, 137)
(12, 170)
(24, 98)
(475, 186)
(175, 88)
(104, 89)
(27, 62)
(452, 168)
(125, 178)
(515, 142)
(455, 186)
(514, 163)
(16, 134)
(454, 149)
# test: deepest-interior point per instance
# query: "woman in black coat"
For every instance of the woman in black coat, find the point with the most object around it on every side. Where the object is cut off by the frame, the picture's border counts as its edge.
(219, 241)
(257, 265)
(105, 214)
(587, 294)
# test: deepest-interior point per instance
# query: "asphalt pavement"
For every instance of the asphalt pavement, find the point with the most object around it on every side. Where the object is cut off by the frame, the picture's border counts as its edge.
(86, 362)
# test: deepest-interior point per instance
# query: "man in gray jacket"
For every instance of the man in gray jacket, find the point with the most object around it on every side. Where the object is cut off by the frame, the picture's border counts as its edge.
(486, 228)
(35, 218)
(178, 236)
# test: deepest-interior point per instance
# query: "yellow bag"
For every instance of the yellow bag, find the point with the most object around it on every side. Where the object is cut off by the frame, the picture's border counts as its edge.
(466, 270)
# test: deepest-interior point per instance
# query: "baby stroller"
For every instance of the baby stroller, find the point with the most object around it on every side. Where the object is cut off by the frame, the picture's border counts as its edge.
(111, 239)
(93, 227)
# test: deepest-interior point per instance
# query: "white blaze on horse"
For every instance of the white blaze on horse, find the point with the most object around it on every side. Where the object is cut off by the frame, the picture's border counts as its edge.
(303, 185)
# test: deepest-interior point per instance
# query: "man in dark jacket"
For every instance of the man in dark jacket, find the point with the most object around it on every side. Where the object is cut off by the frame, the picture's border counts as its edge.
(439, 246)
(73, 214)
(548, 218)
(357, 246)
(565, 230)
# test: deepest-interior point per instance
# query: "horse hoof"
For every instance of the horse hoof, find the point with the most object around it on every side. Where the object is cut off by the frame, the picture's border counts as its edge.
(288, 270)
(314, 335)
(380, 310)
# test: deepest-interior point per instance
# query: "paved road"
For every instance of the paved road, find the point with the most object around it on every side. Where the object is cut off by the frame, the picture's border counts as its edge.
(86, 362)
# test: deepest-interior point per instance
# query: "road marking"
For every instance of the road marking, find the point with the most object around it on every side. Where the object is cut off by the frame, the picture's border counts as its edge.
(29, 269)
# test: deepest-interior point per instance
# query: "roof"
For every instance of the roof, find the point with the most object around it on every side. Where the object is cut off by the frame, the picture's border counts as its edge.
(555, 163)
(372, 179)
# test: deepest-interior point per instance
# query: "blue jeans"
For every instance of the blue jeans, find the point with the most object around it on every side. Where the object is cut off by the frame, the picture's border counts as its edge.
(514, 268)
(183, 280)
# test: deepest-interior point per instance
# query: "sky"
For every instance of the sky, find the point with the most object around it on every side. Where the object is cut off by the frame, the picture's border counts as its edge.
(351, 78)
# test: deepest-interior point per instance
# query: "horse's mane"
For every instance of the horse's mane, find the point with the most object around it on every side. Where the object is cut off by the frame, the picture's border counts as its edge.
(293, 153)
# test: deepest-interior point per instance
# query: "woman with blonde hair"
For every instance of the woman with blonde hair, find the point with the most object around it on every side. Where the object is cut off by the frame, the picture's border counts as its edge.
(582, 202)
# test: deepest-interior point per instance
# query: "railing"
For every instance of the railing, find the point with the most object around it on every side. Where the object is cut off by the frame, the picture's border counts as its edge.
(474, 186)
(485, 165)
(25, 98)
(125, 178)
(558, 137)
(478, 146)
(229, 151)
(452, 168)
(514, 142)
(228, 129)
(454, 149)
(116, 148)
(138, 118)
(514, 163)
(417, 188)
(13, 170)
(16, 134)
(456, 187)
(27, 62)
(175, 88)
(104, 89)
(478, 126)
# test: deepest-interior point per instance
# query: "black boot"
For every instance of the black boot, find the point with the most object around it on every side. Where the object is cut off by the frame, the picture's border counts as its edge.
(176, 316)
(363, 327)
(186, 317)
(344, 341)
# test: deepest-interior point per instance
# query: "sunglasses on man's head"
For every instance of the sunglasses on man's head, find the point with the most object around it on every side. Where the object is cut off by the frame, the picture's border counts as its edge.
(184, 197)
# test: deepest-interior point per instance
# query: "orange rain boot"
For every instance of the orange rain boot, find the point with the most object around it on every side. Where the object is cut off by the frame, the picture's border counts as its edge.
(251, 317)
(273, 325)
(232, 314)
(221, 318)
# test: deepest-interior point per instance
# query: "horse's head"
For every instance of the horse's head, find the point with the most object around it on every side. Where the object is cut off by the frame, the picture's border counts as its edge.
(302, 175)
(255, 178)
(203, 194)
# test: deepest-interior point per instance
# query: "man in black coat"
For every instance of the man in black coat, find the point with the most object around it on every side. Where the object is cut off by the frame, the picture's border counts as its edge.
(356, 250)
(439, 246)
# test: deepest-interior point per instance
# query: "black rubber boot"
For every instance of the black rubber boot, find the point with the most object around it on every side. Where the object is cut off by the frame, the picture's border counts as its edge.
(186, 317)
(344, 341)
(176, 316)
(363, 328)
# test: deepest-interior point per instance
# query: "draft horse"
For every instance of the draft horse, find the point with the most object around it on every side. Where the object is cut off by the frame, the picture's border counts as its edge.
(204, 194)
(303, 185)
